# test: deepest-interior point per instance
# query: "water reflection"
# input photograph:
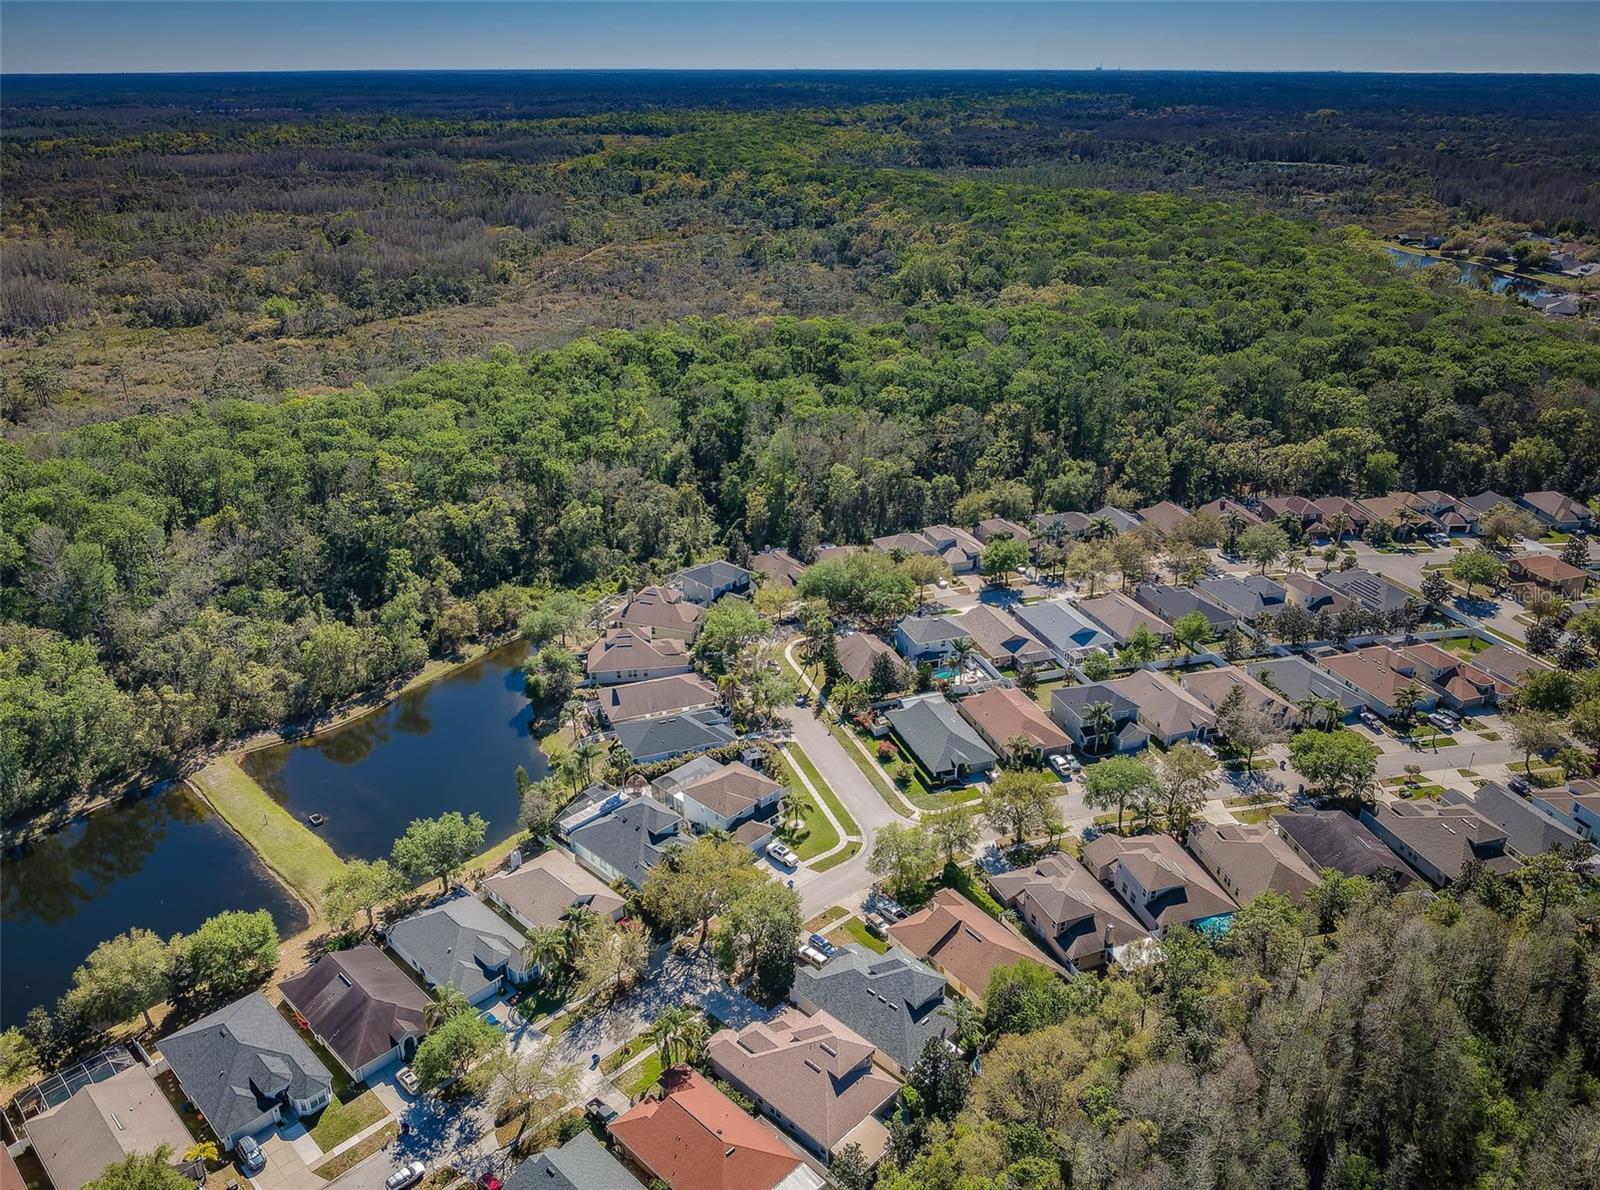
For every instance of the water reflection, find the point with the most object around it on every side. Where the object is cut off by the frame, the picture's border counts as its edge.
(1469, 273)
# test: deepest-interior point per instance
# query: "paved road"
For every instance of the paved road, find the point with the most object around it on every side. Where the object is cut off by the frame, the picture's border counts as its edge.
(1406, 569)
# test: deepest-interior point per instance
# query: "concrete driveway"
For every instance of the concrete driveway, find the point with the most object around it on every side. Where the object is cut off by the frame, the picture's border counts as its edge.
(287, 1167)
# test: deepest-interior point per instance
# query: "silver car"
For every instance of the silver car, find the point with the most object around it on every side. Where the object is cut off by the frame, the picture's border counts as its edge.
(251, 1158)
(408, 1175)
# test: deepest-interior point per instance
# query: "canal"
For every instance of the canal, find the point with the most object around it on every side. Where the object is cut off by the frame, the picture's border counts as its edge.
(164, 862)
(453, 744)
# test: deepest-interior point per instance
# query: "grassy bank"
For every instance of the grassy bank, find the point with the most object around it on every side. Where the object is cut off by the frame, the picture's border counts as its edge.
(293, 852)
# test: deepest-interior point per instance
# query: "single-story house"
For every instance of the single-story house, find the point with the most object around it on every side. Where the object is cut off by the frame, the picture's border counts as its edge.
(635, 655)
(782, 569)
(1160, 881)
(964, 943)
(996, 528)
(462, 944)
(691, 1136)
(858, 654)
(1121, 617)
(710, 581)
(657, 697)
(628, 840)
(1371, 591)
(1224, 508)
(1061, 626)
(1004, 639)
(1438, 840)
(1212, 687)
(1508, 664)
(1121, 519)
(1528, 831)
(717, 796)
(1248, 859)
(1081, 923)
(1173, 603)
(1058, 526)
(1247, 597)
(1312, 596)
(1460, 682)
(891, 999)
(1332, 839)
(1165, 710)
(814, 1077)
(943, 743)
(929, 638)
(246, 1069)
(1071, 707)
(664, 612)
(1002, 713)
(957, 548)
(666, 736)
(1482, 504)
(105, 1122)
(1294, 678)
(1558, 511)
(1454, 515)
(543, 890)
(360, 1007)
(583, 1163)
(1166, 518)
(1379, 673)
(1549, 572)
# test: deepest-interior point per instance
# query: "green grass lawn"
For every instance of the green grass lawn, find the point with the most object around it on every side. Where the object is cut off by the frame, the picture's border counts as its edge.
(825, 919)
(838, 857)
(356, 1154)
(801, 761)
(858, 932)
(874, 777)
(642, 1077)
(1259, 814)
(616, 1061)
(1464, 646)
(340, 1121)
(1042, 693)
(286, 845)
(816, 835)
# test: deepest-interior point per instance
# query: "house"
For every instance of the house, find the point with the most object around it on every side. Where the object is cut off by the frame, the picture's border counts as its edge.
(1173, 603)
(1528, 831)
(659, 696)
(543, 890)
(104, 1122)
(1482, 504)
(360, 1007)
(813, 1076)
(1549, 572)
(1212, 687)
(1083, 926)
(583, 1163)
(635, 655)
(1166, 518)
(1332, 839)
(929, 638)
(1158, 880)
(462, 944)
(1226, 509)
(693, 1137)
(1312, 596)
(1058, 526)
(663, 612)
(996, 528)
(1371, 591)
(944, 744)
(1460, 683)
(1073, 708)
(1294, 679)
(1403, 510)
(1557, 305)
(1356, 518)
(1248, 597)
(961, 551)
(1002, 713)
(1121, 520)
(1379, 673)
(1453, 515)
(964, 943)
(891, 999)
(1060, 625)
(710, 581)
(858, 654)
(1003, 640)
(1577, 807)
(1508, 664)
(1439, 840)
(1303, 512)
(781, 568)
(627, 841)
(662, 738)
(1248, 859)
(1165, 710)
(1121, 617)
(245, 1069)
(1558, 511)
(717, 796)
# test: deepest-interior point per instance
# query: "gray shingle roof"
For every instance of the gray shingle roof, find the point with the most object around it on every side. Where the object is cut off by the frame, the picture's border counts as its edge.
(1296, 678)
(583, 1163)
(358, 1002)
(1173, 603)
(891, 999)
(1248, 596)
(238, 1062)
(461, 944)
(702, 583)
(673, 735)
(1529, 832)
(1078, 699)
(931, 630)
(1334, 839)
(1368, 589)
(631, 838)
(940, 737)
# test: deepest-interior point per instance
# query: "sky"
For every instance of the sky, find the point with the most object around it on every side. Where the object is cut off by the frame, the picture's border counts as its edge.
(1514, 36)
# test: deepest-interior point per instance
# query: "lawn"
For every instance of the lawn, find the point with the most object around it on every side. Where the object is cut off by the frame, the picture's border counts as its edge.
(344, 1162)
(838, 857)
(857, 929)
(817, 834)
(1464, 646)
(1042, 693)
(847, 742)
(340, 1121)
(287, 846)
(620, 1058)
(641, 1078)
(801, 761)
(1259, 814)
(825, 919)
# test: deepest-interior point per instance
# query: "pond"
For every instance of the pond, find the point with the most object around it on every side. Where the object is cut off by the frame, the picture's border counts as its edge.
(1475, 275)
(164, 862)
(453, 744)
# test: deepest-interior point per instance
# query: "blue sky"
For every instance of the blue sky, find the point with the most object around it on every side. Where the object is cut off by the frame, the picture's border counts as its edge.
(1383, 35)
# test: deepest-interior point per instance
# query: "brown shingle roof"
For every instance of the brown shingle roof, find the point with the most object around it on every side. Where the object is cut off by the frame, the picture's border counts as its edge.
(731, 790)
(1073, 909)
(1004, 711)
(103, 1123)
(547, 886)
(1251, 859)
(961, 939)
(661, 607)
(630, 649)
(859, 651)
(658, 696)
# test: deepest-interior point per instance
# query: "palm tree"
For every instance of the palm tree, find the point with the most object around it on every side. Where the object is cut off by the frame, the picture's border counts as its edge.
(201, 1150)
(1324, 712)
(588, 753)
(1338, 526)
(967, 1019)
(1099, 717)
(1101, 528)
(619, 762)
(790, 811)
(1233, 523)
(580, 920)
(446, 1003)
(546, 947)
(962, 649)
(680, 1034)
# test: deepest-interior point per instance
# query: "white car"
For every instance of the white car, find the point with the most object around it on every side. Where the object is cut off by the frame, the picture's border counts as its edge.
(1062, 766)
(780, 853)
(407, 1078)
(1207, 749)
(407, 1175)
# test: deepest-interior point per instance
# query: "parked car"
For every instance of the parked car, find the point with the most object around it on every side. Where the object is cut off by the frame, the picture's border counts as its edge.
(802, 700)
(1371, 721)
(406, 1175)
(407, 1078)
(1062, 766)
(1206, 748)
(600, 1111)
(822, 944)
(781, 853)
(877, 926)
(1519, 785)
(1442, 721)
(812, 955)
(251, 1158)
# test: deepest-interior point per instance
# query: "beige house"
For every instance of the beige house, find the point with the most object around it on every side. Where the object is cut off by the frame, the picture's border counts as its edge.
(635, 655)
(1002, 713)
(1250, 859)
(544, 889)
(964, 943)
(1157, 879)
(664, 611)
(1081, 923)
(104, 1123)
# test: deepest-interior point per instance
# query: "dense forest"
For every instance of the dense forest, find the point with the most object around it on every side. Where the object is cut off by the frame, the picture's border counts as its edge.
(171, 238)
